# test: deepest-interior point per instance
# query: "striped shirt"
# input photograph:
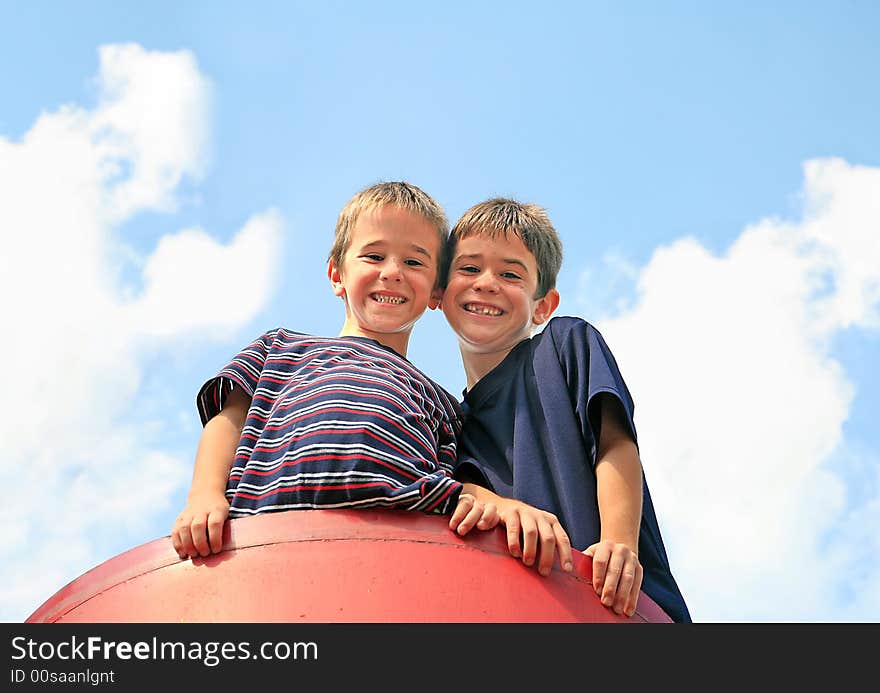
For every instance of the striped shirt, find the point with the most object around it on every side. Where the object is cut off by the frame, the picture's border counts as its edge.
(336, 422)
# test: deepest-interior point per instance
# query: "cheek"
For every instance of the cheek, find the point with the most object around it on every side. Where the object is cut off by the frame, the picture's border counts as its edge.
(361, 275)
(424, 280)
(453, 287)
(446, 303)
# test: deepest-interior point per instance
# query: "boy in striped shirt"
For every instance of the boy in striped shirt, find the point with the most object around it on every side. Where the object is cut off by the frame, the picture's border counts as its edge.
(296, 421)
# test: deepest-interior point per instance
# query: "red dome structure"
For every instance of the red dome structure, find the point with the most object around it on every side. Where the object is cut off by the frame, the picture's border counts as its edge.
(335, 566)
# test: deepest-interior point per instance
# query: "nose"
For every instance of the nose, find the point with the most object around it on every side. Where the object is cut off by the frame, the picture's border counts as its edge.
(486, 281)
(390, 270)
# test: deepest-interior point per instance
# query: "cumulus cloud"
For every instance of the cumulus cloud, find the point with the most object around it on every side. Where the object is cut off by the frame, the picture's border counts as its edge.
(75, 341)
(190, 266)
(740, 405)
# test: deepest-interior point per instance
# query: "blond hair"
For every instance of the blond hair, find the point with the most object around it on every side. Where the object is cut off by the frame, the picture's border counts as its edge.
(399, 194)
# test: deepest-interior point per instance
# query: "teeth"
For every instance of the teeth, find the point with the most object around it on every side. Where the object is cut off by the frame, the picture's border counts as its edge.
(380, 298)
(483, 310)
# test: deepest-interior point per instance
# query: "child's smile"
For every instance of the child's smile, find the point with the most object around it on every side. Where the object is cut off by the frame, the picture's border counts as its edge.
(388, 298)
(483, 309)
(388, 275)
(489, 298)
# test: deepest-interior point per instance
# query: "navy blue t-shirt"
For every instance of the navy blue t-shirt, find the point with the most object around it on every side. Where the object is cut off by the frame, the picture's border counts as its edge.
(531, 429)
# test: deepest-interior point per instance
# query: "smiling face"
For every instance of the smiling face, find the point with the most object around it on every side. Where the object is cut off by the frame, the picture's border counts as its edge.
(489, 299)
(388, 275)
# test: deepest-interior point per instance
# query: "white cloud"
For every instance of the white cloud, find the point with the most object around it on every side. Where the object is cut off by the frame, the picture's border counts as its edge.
(81, 471)
(151, 124)
(740, 405)
(190, 267)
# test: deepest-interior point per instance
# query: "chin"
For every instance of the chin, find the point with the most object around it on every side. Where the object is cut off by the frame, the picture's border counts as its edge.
(479, 339)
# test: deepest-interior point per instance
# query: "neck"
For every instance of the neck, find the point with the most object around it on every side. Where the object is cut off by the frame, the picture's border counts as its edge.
(477, 365)
(399, 341)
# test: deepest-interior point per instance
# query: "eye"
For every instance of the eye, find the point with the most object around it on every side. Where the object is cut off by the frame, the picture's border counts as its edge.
(470, 269)
(510, 275)
(414, 263)
(375, 257)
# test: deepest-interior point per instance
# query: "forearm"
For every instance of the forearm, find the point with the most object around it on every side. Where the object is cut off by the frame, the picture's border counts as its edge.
(217, 446)
(214, 458)
(484, 495)
(619, 493)
(481, 493)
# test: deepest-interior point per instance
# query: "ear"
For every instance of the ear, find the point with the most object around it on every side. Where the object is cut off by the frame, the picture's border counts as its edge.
(545, 306)
(335, 278)
(436, 298)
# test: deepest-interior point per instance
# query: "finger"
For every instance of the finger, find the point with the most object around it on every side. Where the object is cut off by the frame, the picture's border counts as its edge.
(633, 601)
(600, 564)
(465, 502)
(215, 531)
(547, 539)
(176, 542)
(186, 543)
(624, 585)
(490, 517)
(513, 532)
(529, 532)
(563, 547)
(473, 516)
(612, 578)
(200, 536)
(180, 535)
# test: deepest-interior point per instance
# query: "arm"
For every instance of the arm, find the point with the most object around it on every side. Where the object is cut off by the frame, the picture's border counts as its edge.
(540, 532)
(617, 573)
(198, 530)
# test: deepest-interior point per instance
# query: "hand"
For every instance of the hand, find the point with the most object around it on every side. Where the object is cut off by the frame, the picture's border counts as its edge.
(541, 533)
(198, 530)
(527, 524)
(617, 575)
(470, 513)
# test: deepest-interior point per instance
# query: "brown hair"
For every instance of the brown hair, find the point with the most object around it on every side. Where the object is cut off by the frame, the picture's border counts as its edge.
(503, 216)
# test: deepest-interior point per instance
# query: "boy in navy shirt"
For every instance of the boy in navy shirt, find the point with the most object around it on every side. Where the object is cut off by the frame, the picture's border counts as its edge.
(548, 418)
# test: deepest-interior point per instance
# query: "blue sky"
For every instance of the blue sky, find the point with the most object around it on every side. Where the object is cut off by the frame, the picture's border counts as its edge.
(170, 176)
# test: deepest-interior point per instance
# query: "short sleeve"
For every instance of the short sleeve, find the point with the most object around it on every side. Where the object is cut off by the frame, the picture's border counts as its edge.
(590, 369)
(243, 371)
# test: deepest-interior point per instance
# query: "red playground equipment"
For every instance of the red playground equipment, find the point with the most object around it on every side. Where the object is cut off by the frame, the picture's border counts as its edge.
(335, 566)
